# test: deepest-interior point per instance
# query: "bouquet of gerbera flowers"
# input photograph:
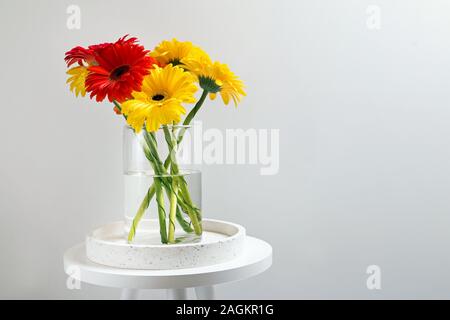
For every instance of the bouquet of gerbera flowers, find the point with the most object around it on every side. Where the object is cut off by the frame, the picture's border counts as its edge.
(150, 90)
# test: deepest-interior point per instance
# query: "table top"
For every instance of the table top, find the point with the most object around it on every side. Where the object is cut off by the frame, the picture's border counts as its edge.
(256, 258)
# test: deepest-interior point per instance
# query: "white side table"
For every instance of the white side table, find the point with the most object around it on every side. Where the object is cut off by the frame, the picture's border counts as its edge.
(256, 258)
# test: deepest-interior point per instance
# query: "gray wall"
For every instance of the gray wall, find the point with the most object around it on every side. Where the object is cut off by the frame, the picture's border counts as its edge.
(363, 117)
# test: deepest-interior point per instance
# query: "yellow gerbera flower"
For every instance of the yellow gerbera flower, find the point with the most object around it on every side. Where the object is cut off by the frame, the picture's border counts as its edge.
(216, 77)
(77, 78)
(160, 100)
(174, 51)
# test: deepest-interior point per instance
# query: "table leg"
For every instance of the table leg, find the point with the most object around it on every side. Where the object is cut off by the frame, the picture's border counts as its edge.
(177, 294)
(205, 293)
(129, 294)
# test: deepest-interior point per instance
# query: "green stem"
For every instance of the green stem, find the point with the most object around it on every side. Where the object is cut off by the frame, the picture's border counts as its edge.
(161, 210)
(187, 207)
(171, 141)
(185, 225)
(166, 182)
(151, 142)
(192, 211)
(140, 213)
(194, 110)
(191, 115)
(149, 151)
(117, 104)
(174, 191)
(173, 211)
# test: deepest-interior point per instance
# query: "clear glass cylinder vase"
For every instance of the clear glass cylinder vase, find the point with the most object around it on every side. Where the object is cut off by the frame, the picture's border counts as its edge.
(162, 191)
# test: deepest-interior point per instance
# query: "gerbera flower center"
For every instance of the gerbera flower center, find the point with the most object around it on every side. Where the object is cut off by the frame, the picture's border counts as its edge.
(158, 97)
(175, 62)
(119, 72)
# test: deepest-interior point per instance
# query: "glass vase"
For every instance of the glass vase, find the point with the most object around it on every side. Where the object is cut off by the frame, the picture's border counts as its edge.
(162, 191)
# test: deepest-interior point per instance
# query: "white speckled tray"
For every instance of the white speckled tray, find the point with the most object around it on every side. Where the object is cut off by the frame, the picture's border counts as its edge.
(221, 241)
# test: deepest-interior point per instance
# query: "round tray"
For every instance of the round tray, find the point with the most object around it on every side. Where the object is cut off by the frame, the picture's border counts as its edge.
(221, 241)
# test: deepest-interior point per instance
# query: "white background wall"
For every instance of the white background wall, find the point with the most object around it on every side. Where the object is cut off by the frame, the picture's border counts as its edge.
(364, 123)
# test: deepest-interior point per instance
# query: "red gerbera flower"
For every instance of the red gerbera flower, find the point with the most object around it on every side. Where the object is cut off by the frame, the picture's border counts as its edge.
(119, 69)
(79, 55)
(82, 55)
